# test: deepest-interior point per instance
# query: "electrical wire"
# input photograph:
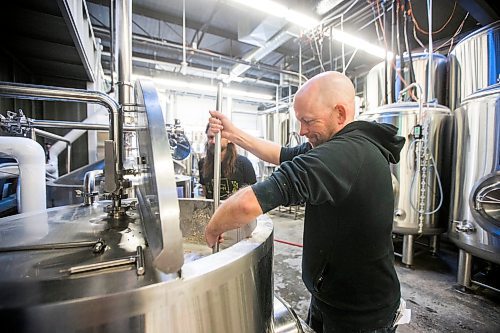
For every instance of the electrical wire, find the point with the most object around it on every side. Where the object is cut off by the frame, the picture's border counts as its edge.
(459, 29)
(393, 64)
(288, 243)
(434, 32)
(416, 37)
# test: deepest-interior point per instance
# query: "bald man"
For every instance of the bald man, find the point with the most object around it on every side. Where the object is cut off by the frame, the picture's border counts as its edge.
(342, 174)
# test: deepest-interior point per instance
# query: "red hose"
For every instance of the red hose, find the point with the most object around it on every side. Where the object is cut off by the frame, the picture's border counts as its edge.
(288, 243)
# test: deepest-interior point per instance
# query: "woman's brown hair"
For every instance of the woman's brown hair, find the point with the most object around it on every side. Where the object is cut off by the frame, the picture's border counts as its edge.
(228, 164)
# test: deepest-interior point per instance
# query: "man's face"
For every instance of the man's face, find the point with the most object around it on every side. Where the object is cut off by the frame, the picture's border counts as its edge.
(317, 121)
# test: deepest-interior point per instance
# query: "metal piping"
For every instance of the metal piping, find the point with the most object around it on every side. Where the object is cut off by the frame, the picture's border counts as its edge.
(111, 43)
(89, 187)
(49, 135)
(124, 50)
(217, 162)
(75, 125)
(46, 93)
(164, 43)
(429, 63)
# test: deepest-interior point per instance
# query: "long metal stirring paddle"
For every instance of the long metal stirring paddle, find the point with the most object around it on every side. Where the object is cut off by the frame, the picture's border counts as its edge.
(217, 152)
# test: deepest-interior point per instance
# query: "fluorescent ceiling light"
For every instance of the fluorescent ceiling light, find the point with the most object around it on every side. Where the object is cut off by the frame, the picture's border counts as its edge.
(359, 43)
(325, 6)
(198, 87)
(279, 10)
(293, 16)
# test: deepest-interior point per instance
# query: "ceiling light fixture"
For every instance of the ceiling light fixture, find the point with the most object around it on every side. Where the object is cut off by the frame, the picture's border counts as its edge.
(273, 8)
(205, 88)
(360, 44)
(279, 10)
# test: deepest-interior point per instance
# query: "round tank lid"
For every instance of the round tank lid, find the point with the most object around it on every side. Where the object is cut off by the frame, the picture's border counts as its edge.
(406, 106)
(490, 27)
(490, 90)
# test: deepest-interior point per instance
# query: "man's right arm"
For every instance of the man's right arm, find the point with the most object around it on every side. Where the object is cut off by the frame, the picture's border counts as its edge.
(265, 150)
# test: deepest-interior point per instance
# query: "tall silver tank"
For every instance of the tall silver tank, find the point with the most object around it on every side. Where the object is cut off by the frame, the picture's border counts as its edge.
(411, 216)
(474, 63)
(439, 75)
(475, 219)
(374, 81)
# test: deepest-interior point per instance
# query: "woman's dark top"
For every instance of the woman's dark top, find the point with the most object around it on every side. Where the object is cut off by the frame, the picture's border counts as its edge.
(244, 175)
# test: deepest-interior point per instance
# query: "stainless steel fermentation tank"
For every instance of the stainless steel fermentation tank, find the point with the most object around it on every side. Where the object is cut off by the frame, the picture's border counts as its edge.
(375, 80)
(475, 218)
(78, 268)
(421, 178)
(474, 63)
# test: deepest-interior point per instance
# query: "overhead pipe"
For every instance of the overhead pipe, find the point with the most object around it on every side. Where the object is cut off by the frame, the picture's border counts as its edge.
(164, 43)
(31, 161)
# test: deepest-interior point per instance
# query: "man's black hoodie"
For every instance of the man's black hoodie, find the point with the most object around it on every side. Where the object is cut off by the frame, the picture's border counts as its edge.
(348, 255)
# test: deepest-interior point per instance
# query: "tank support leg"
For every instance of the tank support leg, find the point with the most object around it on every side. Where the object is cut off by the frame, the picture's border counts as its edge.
(464, 269)
(434, 244)
(408, 250)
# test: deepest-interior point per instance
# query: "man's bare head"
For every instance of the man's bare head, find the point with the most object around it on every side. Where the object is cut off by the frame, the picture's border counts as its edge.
(324, 105)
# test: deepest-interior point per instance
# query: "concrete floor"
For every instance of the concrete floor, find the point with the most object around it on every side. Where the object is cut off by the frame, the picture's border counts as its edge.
(429, 287)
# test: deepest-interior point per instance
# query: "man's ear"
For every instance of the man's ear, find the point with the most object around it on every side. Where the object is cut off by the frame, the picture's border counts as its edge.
(341, 113)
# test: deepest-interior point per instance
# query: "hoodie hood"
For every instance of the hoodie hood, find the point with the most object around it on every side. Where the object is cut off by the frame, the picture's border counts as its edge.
(384, 136)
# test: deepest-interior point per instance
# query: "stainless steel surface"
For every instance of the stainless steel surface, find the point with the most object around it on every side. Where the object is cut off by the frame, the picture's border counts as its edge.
(63, 190)
(90, 187)
(157, 190)
(474, 63)
(374, 93)
(217, 158)
(123, 20)
(408, 250)
(464, 272)
(475, 227)
(286, 320)
(34, 92)
(35, 296)
(406, 177)
(438, 69)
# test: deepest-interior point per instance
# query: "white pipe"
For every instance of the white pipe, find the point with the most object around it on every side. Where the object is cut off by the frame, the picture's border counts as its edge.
(31, 159)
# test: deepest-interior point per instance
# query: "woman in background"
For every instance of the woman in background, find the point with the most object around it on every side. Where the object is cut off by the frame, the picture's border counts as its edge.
(236, 170)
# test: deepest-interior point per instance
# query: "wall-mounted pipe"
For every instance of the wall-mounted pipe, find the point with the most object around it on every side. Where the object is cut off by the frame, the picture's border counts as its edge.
(34, 92)
(31, 160)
